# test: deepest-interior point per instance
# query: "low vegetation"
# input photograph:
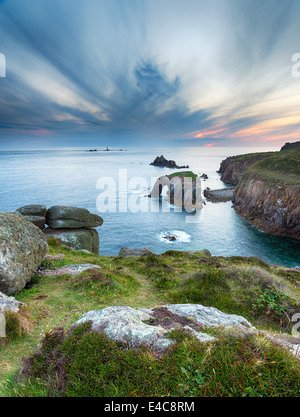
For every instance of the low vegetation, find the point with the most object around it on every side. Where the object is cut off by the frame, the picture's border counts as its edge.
(80, 362)
(283, 168)
(254, 155)
(186, 174)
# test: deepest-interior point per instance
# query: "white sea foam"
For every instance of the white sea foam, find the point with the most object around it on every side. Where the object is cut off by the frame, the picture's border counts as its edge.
(180, 235)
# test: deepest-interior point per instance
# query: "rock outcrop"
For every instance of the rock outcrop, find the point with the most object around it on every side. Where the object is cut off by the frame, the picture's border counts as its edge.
(151, 326)
(183, 190)
(161, 161)
(273, 209)
(216, 196)
(131, 253)
(294, 146)
(70, 269)
(74, 226)
(67, 217)
(35, 213)
(232, 168)
(78, 239)
(9, 304)
(268, 189)
(22, 248)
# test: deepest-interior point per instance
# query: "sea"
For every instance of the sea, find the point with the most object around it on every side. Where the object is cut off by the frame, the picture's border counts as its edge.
(115, 184)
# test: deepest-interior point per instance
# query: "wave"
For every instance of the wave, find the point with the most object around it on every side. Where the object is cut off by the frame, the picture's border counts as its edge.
(174, 236)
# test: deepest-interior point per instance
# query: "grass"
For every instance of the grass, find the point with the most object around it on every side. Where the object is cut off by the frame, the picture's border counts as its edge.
(248, 156)
(275, 168)
(283, 168)
(186, 174)
(83, 363)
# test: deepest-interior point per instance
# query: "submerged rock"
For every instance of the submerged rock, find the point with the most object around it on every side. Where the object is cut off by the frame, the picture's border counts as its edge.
(171, 238)
(67, 217)
(22, 248)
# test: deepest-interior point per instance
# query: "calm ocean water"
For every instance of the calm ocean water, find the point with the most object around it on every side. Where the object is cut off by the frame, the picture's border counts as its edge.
(69, 177)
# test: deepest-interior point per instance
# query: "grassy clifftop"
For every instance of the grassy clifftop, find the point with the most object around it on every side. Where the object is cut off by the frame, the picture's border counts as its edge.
(282, 168)
(86, 364)
(267, 193)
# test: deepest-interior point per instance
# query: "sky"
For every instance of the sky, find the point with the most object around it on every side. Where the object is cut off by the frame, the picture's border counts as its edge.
(118, 72)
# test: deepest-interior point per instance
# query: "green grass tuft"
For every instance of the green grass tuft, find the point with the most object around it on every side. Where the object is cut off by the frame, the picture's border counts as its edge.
(83, 363)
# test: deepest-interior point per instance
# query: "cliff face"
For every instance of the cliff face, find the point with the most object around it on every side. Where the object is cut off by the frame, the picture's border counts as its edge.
(232, 168)
(273, 209)
(268, 189)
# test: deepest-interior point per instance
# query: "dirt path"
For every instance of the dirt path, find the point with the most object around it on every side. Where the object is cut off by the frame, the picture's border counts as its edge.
(146, 295)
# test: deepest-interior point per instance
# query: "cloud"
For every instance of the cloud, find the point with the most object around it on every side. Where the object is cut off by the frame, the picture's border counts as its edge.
(172, 69)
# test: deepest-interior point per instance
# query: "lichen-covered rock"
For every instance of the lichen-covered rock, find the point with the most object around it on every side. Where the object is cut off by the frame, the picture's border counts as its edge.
(22, 248)
(205, 252)
(33, 210)
(9, 304)
(151, 326)
(67, 217)
(70, 269)
(129, 253)
(207, 316)
(35, 213)
(127, 325)
(37, 221)
(78, 239)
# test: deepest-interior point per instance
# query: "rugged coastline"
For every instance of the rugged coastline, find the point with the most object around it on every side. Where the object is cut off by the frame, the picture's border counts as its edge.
(233, 168)
(267, 192)
(153, 319)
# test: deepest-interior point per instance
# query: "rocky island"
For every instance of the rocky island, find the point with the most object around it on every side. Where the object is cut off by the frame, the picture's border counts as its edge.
(161, 161)
(183, 190)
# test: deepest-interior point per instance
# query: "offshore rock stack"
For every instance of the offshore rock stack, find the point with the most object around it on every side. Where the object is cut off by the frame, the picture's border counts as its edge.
(74, 226)
(161, 161)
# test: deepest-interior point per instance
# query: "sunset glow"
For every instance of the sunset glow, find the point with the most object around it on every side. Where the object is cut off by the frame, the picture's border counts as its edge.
(137, 71)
